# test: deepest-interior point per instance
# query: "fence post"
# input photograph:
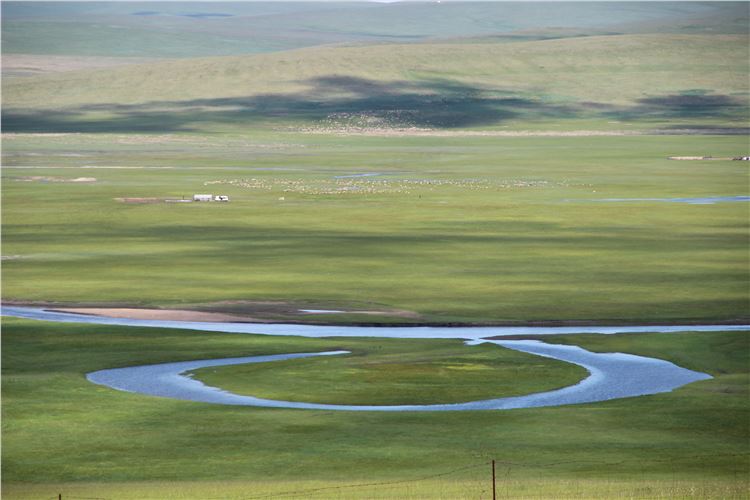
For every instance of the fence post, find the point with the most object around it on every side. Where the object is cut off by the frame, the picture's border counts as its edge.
(494, 492)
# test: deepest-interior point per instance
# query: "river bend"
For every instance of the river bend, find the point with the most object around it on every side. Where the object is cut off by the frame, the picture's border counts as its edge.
(611, 375)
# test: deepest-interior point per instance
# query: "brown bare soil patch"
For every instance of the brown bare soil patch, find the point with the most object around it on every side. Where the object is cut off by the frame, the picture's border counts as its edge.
(243, 311)
(158, 314)
(238, 311)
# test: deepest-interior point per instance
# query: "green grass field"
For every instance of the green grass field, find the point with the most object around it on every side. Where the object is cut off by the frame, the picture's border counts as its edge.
(386, 376)
(458, 229)
(64, 435)
(460, 163)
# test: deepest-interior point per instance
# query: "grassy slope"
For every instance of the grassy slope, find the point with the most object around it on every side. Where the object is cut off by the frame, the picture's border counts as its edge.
(645, 80)
(509, 251)
(112, 29)
(61, 433)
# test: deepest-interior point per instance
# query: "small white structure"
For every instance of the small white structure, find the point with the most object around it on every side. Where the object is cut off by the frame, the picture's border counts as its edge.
(221, 197)
(202, 197)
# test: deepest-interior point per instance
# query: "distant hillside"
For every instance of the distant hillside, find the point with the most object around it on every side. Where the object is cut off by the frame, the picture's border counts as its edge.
(681, 79)
(194, 29)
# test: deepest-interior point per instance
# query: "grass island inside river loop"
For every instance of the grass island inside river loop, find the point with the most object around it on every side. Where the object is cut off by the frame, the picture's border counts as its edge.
(396, 166)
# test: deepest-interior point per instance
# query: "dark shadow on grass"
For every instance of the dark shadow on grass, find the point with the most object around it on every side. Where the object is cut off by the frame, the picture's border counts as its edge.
(331, 101)
(683, 106)
(275, 242)
(337, 102)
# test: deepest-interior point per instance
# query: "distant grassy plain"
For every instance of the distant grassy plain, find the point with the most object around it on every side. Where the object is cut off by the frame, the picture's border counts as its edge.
(64, 435)
(626, 82)
(455, 229)
(179, 30)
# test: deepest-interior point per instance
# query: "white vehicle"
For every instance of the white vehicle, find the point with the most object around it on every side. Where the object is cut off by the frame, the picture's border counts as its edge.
(221, 197)
(202, 197)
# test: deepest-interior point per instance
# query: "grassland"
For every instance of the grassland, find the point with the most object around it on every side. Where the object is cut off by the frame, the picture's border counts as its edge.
(457, 230)
(117, 29)
(63, 434)
(388, 376)
(453, 229)
(628, 82)
(445, 228)
(479, 487)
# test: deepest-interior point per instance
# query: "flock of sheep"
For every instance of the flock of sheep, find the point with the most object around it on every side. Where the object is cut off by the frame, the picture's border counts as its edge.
(370, 186)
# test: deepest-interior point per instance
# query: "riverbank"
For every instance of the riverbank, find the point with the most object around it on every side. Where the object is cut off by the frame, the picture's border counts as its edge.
(381, 331)
(330, 318)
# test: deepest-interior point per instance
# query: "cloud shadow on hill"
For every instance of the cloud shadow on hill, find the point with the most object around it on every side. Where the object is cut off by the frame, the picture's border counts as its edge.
(347, 101)
(341, 102)
(682, 107)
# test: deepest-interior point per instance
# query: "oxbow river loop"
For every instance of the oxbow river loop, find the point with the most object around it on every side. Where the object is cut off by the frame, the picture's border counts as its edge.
(611, 375)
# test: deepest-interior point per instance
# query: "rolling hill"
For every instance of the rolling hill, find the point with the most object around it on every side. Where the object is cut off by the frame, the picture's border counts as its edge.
(178, 29)
(647, 80)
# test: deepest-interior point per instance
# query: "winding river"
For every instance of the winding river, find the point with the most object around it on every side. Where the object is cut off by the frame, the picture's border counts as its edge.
(611, 375)
(397, 332)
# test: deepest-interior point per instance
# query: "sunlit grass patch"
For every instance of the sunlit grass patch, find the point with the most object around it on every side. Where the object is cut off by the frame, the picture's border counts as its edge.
(390, 375)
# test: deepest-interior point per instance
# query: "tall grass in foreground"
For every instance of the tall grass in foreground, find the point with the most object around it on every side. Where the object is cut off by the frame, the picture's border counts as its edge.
(478, 488)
